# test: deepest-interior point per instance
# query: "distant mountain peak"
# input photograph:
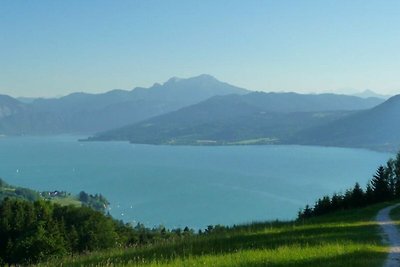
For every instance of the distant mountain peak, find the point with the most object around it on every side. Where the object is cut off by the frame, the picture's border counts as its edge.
(173, 80)
(201, 77)
(369, 93)
(156, 85)
(205, 76)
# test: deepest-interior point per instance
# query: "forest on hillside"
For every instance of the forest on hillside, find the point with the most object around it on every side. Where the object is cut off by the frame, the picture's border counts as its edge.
(31, 232)
(384, 186)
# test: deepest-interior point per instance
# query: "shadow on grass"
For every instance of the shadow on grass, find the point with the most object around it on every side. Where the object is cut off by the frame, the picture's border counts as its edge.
(228, 242)
(343, 227)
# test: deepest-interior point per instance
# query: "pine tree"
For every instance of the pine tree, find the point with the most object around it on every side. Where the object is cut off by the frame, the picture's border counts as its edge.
(322, 206)
(337, 202)
(357, 198)
(369, 194)
(380, 185)
(396, 174)
(389, 169)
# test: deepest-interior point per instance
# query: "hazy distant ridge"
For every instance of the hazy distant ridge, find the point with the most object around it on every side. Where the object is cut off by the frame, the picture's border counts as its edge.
(90, 113)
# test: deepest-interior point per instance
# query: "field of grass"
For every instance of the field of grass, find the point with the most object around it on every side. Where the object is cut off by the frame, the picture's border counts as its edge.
(66, 201)
(346, 238)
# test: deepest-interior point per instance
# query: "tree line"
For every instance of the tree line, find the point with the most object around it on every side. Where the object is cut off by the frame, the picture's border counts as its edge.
(10, 191)
(31, 232)
(96, 202)
(384, 186)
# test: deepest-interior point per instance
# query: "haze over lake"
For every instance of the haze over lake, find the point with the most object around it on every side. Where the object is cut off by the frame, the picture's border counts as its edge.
(187, 185)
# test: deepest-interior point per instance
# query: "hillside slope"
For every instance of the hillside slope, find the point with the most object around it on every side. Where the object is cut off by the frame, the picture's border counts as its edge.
(9, 106)
(377, 128)
(238, 119)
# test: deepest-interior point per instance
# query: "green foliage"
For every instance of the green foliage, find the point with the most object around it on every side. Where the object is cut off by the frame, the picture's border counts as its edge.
(28, 231)
(9, 191)
(26, 194)
(97, 201)
(35, 231)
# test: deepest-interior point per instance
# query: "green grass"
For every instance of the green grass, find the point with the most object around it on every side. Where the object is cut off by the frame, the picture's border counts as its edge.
(66, 201)
(8, 189)
(347, 238)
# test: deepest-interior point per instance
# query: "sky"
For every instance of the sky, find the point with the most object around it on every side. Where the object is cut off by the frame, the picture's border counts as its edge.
(52, 48)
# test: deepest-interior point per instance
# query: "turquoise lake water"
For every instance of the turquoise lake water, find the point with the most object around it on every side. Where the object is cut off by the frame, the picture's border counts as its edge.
(179, 186)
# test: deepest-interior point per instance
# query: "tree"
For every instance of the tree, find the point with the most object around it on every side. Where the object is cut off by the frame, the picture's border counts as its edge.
(380, 185)
(369, 195)
(336, 202)
(389, 169)
(306, 213)
(322, 206)
(83, 197)
(396, 165)
(357, 198)
(3, 183)
(396, 174)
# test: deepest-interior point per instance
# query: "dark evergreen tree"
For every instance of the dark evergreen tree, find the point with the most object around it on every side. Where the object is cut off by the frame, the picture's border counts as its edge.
(389, 169)
(83, 196)
(396, 174)
(322, 206)
(369, 195)
(357, 198)
(347, 198)
(336, 202)
(380, 185)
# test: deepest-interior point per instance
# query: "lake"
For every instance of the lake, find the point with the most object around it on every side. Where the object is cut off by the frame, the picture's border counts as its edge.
(194, 186)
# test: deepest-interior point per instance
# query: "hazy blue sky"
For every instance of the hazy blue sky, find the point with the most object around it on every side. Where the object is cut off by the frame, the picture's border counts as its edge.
(52, 47)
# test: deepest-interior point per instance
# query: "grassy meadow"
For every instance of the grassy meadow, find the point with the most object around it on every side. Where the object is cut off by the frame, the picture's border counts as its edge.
(66, 201)
(345, 238)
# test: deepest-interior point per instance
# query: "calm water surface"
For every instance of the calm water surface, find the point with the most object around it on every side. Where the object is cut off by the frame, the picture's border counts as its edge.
(195, 186)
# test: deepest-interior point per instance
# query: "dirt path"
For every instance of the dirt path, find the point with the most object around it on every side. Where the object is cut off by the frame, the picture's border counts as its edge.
(391, 236)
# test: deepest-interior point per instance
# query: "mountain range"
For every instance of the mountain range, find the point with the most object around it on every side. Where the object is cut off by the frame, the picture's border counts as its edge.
(90, 113)
(253, 118)
(203, 110)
